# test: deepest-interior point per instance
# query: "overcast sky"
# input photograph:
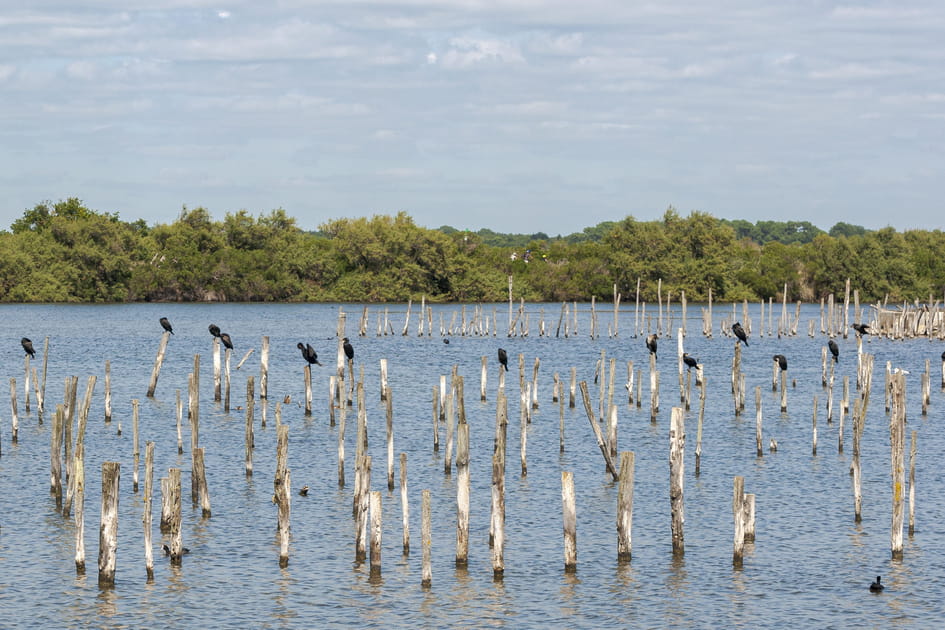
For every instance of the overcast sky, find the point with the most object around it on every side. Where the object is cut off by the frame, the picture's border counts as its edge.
(514, 115)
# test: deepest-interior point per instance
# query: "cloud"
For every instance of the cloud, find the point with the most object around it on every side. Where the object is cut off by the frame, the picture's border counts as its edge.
(469, 51)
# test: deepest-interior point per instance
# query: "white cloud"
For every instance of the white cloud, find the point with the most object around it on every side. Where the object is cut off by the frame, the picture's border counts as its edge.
(468, 51)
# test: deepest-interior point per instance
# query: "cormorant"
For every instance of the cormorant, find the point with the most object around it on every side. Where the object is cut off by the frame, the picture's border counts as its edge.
(303, 491)
(862, 329)
(740, 332)
(504, 359)
(651, 344)
(782, 361)
(308, 353)
(167, 550)
(688, 360)
(834, 350)
(349, 351)
(876, 587)
(214, 330)
(166, 325)
(227, 342)
(28, 347)
(446, 341)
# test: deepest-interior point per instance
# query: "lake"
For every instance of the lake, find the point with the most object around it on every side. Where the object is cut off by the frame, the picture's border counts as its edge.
(810, 566)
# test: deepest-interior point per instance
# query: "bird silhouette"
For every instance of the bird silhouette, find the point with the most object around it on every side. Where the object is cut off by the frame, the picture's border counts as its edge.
(166, 325)
(214, 330)
(308, 353)
(740, 332)
(227, 342)
(876, 587)
(28, 347)
(782, 361)
(862, 329)
(504, 359)
(349, 351)
(651, 344)
(689, 361)
(834, 350)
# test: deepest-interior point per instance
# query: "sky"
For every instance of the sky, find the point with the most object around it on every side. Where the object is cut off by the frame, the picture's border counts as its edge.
(518, 116)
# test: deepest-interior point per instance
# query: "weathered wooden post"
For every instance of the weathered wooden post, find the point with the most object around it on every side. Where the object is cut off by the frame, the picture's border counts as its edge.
(758, 451)
(384, 385)
(749, 518)
(14, 420)
(156, 370)
(654, 389)
(573, 386)
(363, 492)
(497, 525)
(404, 503)
(217, 376)
(483, 377)
(226, 380)
(388, 403)
(200, 480)
(307, 378)
(569, 517)
(174, 520)
(264, 369)
(462, 494)
(912, 452)
(450, 418)
(426, 539)
(738, 514)
(136, 454)
(250, 402)
(55, 456)
(699, 426)
(601, 443)
(108, 531)
(677, 442)
(814, 423)
(283, 492)
(376, 530)
(342, 413)
(523, 425)
(78, 482)
(897, 430)
(625, 507)
(146, 518)
(179, 405)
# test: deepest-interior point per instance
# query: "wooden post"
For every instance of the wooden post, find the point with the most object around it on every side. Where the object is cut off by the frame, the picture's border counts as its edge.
(897, 429)
(573, 385)
(677, 441)
(200, 481)
(250, 401)
(625, 507)
(569, 516)
(342, 413)
(783, 391)
(462, 494)
(361, 519)
(332, 389)
(174, 521)
(436, 420)
(376, 529)
(78, 482)
(450, 423)
(307, 378)
(426, 538)
(523, 424)
(217, 376)
(498, 516)
(605, 451)
(912, 452)
(108, 531)
(14, 420)
(482, 379)
(384, 378)
(136, 454)
(749, 518)
(699, 426)
(108, 391)
(758, 451)
(738, 514)
(264, 369)
(283, 492)
(156, 370)
(654, 389)
(146, 517)
(388, 400)
(404, 504)
(226, 380)
(55, 456)
(814, 423)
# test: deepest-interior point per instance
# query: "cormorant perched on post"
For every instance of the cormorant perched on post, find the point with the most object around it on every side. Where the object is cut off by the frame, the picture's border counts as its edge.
(227, 342)
(349, 351)
(688, 360)
(862, 329)
(876, 587)
(504, 359)
(28, 347)
(214, 330)
(308, 353)
(166, 325)
(740, 332)
(834, 350)
(651, 344)
(782, 361)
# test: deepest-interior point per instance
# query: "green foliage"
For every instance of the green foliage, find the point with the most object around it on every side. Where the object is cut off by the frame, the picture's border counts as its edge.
(65, 252)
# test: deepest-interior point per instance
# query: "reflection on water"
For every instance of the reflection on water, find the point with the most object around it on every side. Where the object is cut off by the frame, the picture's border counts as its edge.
(810, 565)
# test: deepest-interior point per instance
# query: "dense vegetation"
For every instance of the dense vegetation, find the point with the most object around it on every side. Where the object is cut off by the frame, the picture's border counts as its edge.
(65, 252)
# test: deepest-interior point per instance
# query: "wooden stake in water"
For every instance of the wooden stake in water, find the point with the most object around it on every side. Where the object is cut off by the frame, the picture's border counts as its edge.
(699, 425)
(108, 391)
(897, 430)
(217, 376)
(738, 514)
(180, 418)
(426, 538)
(156, 370)
(389, 405)
(283, 492)
(758, 451)
(108, 531)
(376, 530)
(814, 423)
(677, 446)
(78, 482)
(174, 522)
(200, 480)
(55, 456)
(404, 503)
(912, 452)
(146, 516)
(343, 412)
(307, 378)
(250, 401)
(569, 517)
(625, 508)
(462, 494)
(14, 420)
(264, 369)
(601, 443)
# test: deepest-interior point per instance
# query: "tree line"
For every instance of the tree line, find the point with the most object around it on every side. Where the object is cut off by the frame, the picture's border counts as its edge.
(65, 252)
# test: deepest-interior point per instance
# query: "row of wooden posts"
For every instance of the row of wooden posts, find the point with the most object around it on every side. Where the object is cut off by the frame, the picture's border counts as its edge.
(449, 400)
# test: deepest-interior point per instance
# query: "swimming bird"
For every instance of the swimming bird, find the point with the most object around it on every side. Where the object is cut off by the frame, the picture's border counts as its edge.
(504, 359)
(782, 361)
(740, 332)
(862, 329)
(688, 360)
(28, 347)
(834, 350)
(349, 351)
(308, 353)
(227, 342)
(651, 344)
(876, 587)
(303, 491)
(167, 550)
(214, 330)
(446, 341)
(166, 325)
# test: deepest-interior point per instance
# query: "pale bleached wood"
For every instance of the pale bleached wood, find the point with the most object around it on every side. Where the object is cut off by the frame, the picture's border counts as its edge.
(158, 361)
(569, 518)
(625, 507)
(677, 440)
(108, 531)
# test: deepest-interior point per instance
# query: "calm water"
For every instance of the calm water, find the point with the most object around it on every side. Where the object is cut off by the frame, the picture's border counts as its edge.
(810, 565)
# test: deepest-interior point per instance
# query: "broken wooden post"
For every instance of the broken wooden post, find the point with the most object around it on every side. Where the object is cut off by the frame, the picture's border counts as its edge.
(156, 370)
(108, 531)
(200, 480)
(146, 517)
(462, 494)
(569, 517)
(897, 430)
(250, 402)
(738, 514)
(426, 538)
(625, 508)
(677, 442)
(605, 451)
(376, 530)
(174, 519)
(404, 503)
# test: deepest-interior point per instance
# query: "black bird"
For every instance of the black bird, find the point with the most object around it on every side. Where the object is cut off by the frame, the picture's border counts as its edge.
(782, 361)
(740, 332)
(651, 344)
(166, 325)
(28, 347)
(227, 342)
(214, 330)
(446, 341)
(349, 351)
(688, 360)
(876, 587)
(504, 359)
(834, 350)
(943, 357)
(862, 329)
(308, 353)
(303, 491)
(167, 550)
